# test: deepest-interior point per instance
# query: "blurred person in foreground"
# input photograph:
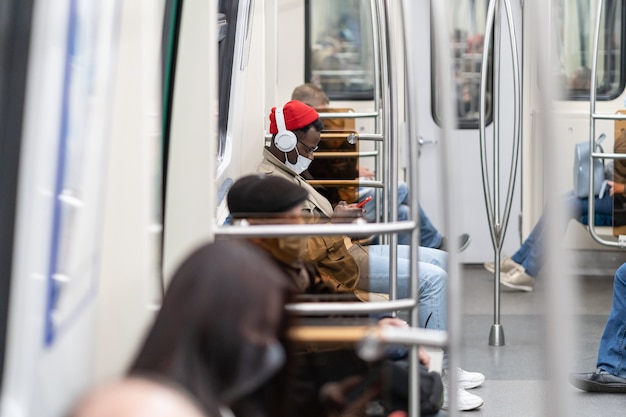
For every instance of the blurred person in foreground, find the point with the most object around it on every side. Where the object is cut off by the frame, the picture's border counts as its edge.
(137, 397)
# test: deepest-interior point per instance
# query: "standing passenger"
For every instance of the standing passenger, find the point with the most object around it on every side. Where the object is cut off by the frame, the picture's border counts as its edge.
(610, 373)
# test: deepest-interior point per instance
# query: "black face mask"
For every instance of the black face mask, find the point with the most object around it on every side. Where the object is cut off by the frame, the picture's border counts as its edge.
(257, 364)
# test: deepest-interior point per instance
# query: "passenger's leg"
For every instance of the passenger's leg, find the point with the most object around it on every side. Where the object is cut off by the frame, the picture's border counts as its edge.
(432, 280)
(612, 350)
(604, 205)
(426, 255)
(533, 239)
(403, 194)
(530, 254)
(579, 207)
(404, 212)
(429, 235)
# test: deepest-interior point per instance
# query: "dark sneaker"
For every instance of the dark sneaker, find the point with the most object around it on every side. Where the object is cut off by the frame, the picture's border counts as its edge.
(464, 241)
(598, 381)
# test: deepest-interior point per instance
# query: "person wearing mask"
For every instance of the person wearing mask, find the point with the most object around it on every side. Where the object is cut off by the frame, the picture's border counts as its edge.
(221, 335)
(296, 131)
(429, 236)
(221, 332)
(267, 199)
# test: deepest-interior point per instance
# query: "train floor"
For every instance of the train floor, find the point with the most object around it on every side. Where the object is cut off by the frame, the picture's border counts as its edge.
(517, 383)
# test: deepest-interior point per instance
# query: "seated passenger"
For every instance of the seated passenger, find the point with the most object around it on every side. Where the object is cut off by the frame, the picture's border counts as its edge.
(267, 199)
(288, 155)
(610, 373)
(331, 256)
(137, 397)
(520, 270)
(220, 332)
(429, 236)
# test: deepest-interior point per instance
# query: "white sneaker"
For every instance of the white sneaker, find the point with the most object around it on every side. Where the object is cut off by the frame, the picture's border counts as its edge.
(506, 264)
(465, 379)
(465, 401)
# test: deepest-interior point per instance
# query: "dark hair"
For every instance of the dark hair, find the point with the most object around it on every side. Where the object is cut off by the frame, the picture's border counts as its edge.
(196, 339)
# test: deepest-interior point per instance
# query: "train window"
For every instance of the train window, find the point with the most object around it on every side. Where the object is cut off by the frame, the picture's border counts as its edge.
(575, 43)
(226, 37)
(467, 28)
(340, 48)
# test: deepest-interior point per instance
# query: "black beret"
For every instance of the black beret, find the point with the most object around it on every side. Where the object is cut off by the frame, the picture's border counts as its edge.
(263, 194)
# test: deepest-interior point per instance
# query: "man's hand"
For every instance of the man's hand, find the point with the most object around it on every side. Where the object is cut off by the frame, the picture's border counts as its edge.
(345, 213)
(615, 187)
(364, 172)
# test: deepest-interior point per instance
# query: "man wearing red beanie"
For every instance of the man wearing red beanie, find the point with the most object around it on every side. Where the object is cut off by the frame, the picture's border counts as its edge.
(296, 133)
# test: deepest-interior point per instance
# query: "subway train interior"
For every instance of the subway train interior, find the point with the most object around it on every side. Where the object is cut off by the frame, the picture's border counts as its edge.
(123, 125)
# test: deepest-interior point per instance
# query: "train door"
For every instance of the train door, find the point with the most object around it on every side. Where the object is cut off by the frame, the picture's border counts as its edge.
(573, 43)
(467, 22)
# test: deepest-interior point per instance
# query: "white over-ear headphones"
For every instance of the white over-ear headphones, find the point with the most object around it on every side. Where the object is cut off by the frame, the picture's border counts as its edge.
(285, 140)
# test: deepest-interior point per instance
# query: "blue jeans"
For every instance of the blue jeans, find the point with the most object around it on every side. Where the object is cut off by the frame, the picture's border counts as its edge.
(530, 254)
(374, 264)
(429, 235)
(612, 351)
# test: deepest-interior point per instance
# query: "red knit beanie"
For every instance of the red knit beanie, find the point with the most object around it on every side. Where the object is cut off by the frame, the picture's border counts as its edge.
(297, 115)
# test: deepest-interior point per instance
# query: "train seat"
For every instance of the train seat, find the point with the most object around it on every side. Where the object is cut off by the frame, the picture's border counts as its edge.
(577, 237)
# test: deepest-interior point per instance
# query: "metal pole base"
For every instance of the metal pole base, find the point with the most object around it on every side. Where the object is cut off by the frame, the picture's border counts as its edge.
(496, 335)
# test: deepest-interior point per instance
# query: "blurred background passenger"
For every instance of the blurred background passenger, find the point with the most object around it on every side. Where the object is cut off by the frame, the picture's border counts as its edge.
(137, 397)
(312, 95)
(520, 270)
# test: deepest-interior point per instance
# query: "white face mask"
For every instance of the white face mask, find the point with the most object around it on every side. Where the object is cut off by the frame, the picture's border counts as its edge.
(301, 165)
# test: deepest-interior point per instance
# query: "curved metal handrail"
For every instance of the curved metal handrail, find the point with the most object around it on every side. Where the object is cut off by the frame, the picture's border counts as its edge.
(352, 307)
(346, 183)
(497, 224)
(347, 115)
(361, 228)
(323, 155)
(372, 334)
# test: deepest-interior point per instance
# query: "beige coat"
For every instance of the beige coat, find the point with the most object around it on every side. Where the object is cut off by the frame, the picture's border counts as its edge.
(329, 253)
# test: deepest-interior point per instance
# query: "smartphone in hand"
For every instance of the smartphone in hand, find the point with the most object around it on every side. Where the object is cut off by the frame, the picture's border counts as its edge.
(364, 202)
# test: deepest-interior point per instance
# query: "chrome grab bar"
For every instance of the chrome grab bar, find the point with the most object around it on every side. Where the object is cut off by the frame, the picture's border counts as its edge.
(374, 337)
(347, 115)
(361, 228)
(352, 307)
(497, 223)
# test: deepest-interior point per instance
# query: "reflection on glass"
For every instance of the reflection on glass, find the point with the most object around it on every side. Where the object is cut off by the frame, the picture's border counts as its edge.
(574, 49)
(340, 52)
(467, 26)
